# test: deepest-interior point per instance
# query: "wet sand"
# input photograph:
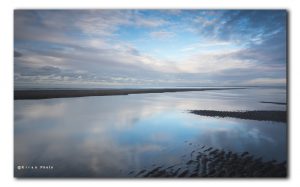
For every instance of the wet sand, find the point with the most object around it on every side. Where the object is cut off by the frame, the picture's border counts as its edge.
(210, 162)
(277, 116)
(48, 94)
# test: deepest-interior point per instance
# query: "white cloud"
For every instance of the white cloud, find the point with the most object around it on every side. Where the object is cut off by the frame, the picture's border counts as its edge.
(162, 34)
(88, 41)
(211, 64)
(203, 21)
(102, 23)
(55, 26)
(127, 60)
(267, 81)
(146, 22)
(207, 45)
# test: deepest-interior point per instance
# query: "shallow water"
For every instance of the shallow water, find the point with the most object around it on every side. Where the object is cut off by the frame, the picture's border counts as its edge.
(109, 136)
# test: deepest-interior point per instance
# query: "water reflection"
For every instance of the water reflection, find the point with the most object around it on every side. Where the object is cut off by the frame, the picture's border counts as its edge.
(109, 136)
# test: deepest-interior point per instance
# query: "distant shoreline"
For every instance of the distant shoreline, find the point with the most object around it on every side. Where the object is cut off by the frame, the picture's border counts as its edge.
(49, 94)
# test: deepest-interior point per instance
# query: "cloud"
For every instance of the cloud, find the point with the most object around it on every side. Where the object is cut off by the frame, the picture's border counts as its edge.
(45, 70)
(149, 22)
(162, 34)
(242, 26)
(271, 51)
(207, 45)
(101, 23)
(56, 25)
(126, 65)
(211, 62)
(100, 48)
(267, 81)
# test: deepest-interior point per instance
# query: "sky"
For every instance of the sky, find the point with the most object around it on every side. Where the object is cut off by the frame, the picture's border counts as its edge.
(149, 48)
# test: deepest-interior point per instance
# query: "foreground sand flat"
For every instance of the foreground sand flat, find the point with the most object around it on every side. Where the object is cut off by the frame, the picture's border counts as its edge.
(48, 94)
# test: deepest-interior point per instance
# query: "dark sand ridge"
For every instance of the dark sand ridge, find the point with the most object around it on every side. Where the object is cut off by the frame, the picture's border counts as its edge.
(48, 94)
(210, 162)
(277, 116)
(276, 103)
